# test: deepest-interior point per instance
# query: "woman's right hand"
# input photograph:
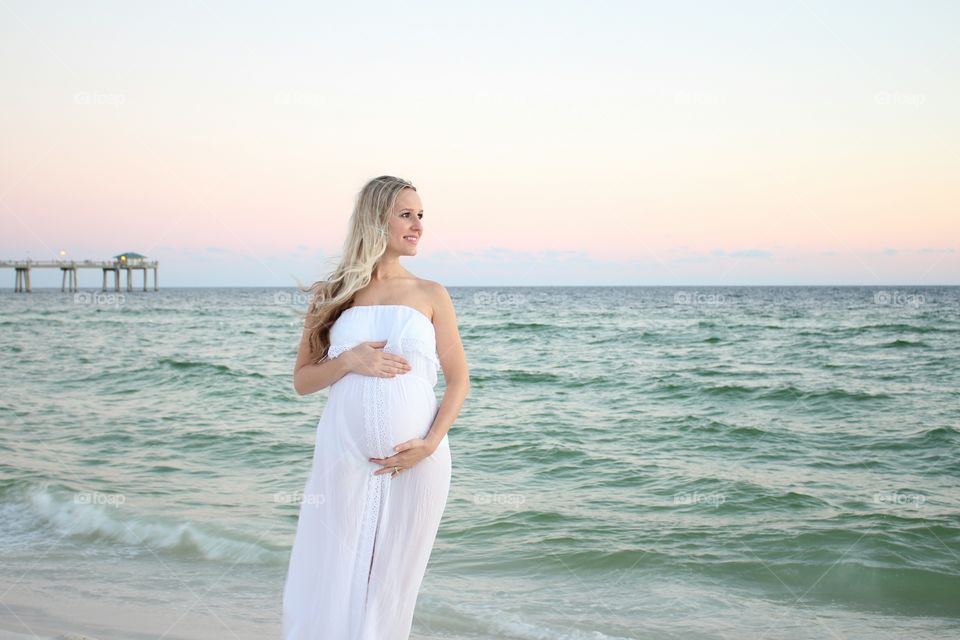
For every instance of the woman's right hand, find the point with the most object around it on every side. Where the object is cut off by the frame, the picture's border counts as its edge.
(367, 360)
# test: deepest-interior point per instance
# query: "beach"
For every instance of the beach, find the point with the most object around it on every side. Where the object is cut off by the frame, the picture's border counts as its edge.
(632, 462)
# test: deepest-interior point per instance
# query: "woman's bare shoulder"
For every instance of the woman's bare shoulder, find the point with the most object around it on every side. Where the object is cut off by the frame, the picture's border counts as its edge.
(437, 295)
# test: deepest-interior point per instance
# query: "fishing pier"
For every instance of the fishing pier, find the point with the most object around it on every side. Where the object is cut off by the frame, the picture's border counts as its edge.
(128, 262)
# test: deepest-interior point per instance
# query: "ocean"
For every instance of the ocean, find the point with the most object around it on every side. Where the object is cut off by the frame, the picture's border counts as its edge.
(632, 462)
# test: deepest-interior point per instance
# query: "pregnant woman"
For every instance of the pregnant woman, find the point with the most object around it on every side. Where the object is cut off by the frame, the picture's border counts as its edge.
(381, 467)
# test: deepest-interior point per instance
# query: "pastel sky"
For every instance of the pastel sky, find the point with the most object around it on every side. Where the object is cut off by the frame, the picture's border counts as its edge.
(607, 143)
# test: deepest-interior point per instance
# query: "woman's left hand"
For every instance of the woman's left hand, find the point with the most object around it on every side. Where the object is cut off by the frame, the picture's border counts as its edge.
(407, 454)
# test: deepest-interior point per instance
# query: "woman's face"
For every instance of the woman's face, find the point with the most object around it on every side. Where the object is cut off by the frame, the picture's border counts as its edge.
(406, 226)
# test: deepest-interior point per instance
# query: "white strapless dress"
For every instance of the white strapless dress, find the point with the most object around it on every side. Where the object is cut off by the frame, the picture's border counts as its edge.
(363, 540)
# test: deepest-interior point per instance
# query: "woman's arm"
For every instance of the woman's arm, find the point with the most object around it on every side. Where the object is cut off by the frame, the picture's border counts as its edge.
(308, 378)
(453, 360)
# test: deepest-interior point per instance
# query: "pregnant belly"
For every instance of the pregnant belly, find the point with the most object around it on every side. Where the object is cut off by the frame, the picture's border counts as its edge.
(369, 416)
(409, 407)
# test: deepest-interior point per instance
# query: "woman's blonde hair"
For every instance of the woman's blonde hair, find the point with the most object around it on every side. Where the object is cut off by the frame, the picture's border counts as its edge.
(366, 242)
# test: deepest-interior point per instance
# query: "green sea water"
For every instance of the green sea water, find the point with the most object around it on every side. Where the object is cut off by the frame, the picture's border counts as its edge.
(647, 462)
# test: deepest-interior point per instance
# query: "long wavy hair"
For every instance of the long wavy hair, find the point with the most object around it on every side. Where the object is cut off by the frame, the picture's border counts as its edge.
(366, 242)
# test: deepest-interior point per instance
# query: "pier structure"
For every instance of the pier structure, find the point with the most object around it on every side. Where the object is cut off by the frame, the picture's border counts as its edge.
(128, 262)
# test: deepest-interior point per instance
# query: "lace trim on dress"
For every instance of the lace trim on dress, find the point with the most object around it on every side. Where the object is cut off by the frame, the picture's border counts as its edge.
(375, 424)
(419, 345)
(336, 349)
(406, 345)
